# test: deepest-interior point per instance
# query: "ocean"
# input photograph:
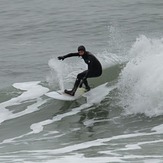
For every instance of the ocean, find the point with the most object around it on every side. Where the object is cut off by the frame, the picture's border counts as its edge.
(122, 122)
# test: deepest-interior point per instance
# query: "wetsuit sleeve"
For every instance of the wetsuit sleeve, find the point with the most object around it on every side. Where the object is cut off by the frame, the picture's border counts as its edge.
(71, 55)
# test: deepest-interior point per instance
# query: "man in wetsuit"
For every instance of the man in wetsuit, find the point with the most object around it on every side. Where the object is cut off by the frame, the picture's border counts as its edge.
(94, 68)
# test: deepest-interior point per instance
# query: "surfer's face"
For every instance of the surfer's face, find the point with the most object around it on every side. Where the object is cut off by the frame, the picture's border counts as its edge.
(81, 52)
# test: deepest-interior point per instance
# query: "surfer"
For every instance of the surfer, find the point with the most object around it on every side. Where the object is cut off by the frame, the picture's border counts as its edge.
(94, 69)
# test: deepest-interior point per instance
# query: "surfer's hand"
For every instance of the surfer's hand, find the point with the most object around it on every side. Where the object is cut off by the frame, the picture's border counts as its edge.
(61, 57)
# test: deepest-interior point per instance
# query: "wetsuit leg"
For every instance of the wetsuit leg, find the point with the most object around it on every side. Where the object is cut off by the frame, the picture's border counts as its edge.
(86, 84)
(82, 77)
(89, 74)
(77, 84)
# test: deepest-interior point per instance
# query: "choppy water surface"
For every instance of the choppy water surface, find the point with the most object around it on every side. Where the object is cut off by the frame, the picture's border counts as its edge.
(119, 121)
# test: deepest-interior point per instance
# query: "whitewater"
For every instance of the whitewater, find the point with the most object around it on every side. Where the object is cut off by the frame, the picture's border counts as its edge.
(121, 120)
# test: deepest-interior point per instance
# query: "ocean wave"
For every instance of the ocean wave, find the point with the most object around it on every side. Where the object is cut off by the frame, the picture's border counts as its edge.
(141, 81)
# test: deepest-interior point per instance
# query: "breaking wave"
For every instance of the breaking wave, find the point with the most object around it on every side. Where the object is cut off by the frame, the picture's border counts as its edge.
(141, 80)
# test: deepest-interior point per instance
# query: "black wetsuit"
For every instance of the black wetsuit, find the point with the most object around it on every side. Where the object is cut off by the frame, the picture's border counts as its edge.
(94, 67)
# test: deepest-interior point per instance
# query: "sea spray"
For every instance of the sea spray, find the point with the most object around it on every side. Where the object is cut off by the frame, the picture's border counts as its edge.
(64, 73)
(56, 72)
(141, 81)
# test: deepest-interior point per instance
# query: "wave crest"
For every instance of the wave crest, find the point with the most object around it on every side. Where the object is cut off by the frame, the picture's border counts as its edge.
(141, 81)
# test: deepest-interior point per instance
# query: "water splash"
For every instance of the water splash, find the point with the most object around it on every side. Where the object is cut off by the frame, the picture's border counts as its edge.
(56, 72)
(141, 81)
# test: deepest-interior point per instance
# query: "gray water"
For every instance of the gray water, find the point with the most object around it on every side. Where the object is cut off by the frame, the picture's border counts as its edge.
(121, 122)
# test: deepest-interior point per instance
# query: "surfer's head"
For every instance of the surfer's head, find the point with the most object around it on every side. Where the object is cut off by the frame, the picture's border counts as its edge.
(81, 50)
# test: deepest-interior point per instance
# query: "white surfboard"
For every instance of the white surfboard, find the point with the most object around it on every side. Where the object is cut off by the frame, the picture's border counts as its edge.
(60, 95)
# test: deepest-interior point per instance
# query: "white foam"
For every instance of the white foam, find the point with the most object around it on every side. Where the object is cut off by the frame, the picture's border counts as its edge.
(111, 156)
(141, 81)
(132, 147)
(94, 96)
(80, 158)
(152, 161)
(94, 143)
(139, 144)
(51, 133)
(12, 140)
(158, 129)
(91, 122)
(26, 85)
(31, 108)
(68, 153)
(32, 91)
(97, 94)
(99, 142)
(38, 127)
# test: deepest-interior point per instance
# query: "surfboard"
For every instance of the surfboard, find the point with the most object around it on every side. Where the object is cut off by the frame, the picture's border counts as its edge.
(60, 95)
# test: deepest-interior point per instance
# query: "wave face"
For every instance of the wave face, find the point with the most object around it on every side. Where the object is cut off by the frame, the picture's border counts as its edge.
(120, 121)
(141, 80)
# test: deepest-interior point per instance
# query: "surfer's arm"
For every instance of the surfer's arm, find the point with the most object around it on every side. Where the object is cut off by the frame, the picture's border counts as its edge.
(68, 55)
